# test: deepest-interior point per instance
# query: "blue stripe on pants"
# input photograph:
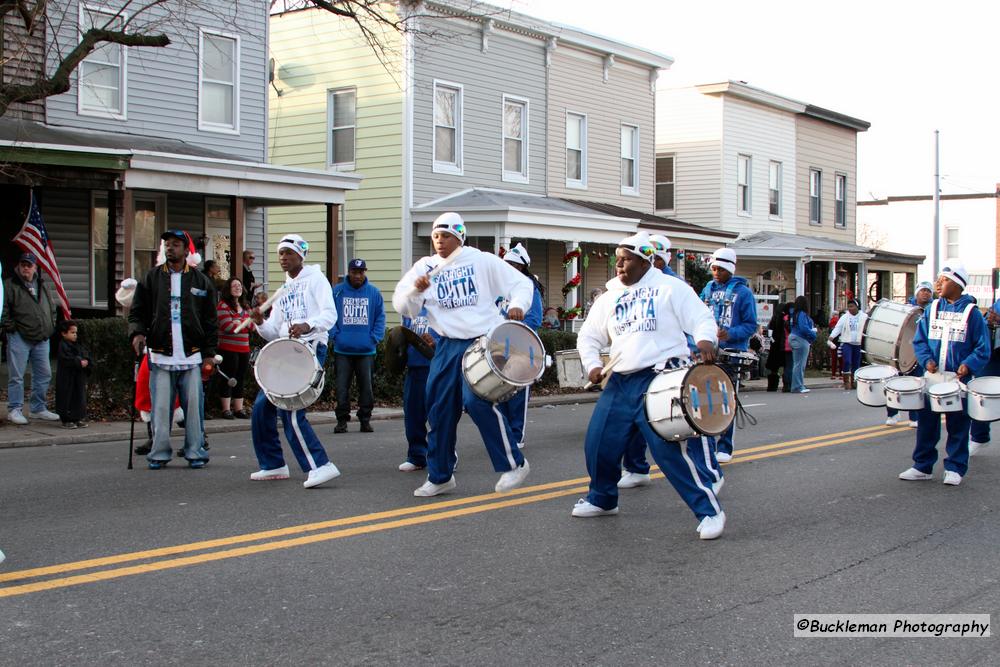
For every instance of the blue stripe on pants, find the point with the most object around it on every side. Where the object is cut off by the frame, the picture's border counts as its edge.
(618, 415)
(264, 428)
(415, 414)
(447, 394)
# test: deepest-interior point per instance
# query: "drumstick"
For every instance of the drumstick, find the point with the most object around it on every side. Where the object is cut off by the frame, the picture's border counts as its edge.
(264, 307)
(607, 369)
(445, 262)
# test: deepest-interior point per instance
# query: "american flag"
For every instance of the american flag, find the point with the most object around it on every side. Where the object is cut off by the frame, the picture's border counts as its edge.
(34, 239)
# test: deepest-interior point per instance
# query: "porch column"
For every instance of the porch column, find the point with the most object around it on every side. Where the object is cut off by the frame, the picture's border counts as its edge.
(500, 240)
(237, 236)
(332, 241)
(114, 197)
(571, 270)
(128, 218)
(832, 282)
(862, 295)
(800, 278)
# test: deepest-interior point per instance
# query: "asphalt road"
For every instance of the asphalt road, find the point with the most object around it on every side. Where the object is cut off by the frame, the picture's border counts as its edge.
(205, 567)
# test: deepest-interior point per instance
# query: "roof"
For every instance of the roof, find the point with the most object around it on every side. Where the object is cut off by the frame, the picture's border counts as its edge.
(770, 244)
(897, 257)
(653, 222)
(905, 198)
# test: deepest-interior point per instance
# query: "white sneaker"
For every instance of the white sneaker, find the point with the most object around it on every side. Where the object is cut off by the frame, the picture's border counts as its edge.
(322, 474)
(45, 415)
(406, 466)
(722, 457)
(585, 509)
(913, 475)
(892, 420)
(430, 489)
(630, 480)
(952, 478)
(912, 423)
(513, 478)
(2, 557)
(17, 417)
(717, 486)
(178, 415)
(804, 390)
(976, 447)
(267, 475)
(711, 526)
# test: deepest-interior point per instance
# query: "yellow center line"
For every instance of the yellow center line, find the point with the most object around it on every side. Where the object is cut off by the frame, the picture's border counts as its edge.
(428, 513)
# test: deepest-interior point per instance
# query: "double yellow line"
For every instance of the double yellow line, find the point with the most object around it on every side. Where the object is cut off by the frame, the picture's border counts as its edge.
(206, 551)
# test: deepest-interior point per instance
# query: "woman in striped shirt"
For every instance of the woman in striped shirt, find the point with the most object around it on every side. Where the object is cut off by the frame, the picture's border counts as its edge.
(235, 347)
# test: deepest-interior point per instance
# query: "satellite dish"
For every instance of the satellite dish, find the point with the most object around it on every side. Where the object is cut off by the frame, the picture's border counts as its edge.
(270, 70)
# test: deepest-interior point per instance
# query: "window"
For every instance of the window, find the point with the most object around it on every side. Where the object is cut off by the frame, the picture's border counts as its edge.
(774, 190)
(447, 128)
(665, 183)
(149, 223)
(218, 82)
(815, 195)
(840, 200)
(576, 150)
(99, 250)
(341, 110)
(102, 73)
(515, 140)
(630, 160)
(743, 163)
(951, 243)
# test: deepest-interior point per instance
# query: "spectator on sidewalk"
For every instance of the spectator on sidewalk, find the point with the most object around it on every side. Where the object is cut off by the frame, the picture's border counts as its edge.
(234, 347)
(800, 338)
(250, 284)
(29, 319)
(214, 273)
(73, 367)
(360, 326)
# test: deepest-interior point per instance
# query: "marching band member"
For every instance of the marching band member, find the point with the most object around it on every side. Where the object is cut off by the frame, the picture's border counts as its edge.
(457, 290)
(661, 260)
(643, 316)
(516, 409)
(921, 298)
(732, 303)
(415, 394)
(979, 432)
(951, 337)
(848, 329)
(306, 311)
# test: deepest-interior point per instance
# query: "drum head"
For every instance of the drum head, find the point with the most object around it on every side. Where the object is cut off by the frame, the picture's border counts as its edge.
(876, 372)
(985, 386)
(285, 366)
(944, 388)
(906, 357)
(515, 352)
(905, 383)
(710, 399)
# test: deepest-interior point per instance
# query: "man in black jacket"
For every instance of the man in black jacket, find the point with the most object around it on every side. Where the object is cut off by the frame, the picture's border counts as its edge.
(173, 315)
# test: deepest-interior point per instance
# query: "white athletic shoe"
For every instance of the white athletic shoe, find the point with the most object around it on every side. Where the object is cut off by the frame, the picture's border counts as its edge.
(2, 557)
(586, 510)
(45, 415)
(913, 475)
(912, 423)
(711, 526)
(513, 478)
(722, 457)
(407, 466)
(717, 486)
(268, 475)
(17, 417)
(952, 478)
(976, 447)
(322, 474)
(630, 480)
(892, 420)
(430, 489)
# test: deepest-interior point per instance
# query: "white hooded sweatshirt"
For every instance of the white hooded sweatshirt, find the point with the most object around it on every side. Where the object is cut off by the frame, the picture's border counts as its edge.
(644, 323)
(461, 301)
(308, 298)
(850, 328)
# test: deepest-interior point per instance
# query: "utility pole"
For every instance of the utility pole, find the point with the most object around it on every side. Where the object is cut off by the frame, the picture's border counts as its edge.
(937, 204)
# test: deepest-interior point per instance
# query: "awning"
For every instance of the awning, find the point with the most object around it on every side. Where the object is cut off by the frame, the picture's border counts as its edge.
(777, 245)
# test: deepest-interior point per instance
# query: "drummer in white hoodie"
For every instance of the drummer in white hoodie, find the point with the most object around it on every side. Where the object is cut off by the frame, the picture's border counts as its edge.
(643, 315)
(461, 307)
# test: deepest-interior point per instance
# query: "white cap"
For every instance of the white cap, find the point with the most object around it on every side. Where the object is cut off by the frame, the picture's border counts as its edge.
(639, 244)
(452, 223)
(724, 258)
(957, 274)
(294, 242)
(924, 285)
(662, 245)
(126, 291)
(517, 255)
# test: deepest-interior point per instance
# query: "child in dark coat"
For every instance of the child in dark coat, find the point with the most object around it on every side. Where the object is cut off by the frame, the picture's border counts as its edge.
(71, 377)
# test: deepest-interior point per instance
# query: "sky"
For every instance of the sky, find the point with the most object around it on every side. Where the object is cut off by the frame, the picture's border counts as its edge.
(908, 68)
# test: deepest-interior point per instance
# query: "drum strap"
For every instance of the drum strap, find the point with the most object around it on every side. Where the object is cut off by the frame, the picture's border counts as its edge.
(946, 328)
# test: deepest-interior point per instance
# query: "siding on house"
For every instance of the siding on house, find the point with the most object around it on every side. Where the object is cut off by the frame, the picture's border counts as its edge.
(162, 83)
(512, 65)
(316, 52)
(66, 215)
(576, 84)
(21, 60)
(833, 150)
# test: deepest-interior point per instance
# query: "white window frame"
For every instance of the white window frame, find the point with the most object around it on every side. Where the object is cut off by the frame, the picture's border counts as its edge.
(818, 220)
(947, 243)
(778, 189)
(456, 168)
(90, 247)
(580, 183)
(840, 200)
(122, 112)
(330, 95)
(522, 176)
(671, 182)
(634, 190)
(159, 200)
(748, 210)
(204, 125)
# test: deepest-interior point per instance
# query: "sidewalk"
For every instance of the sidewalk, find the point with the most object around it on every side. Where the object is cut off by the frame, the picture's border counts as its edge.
(45, 434)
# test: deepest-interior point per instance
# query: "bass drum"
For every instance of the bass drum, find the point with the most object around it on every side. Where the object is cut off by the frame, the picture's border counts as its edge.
(888, 335)
(508, 358)
(682, 403)
(289, 374)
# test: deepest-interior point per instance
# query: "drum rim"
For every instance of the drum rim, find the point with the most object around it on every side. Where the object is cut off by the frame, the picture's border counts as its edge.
(256, 365)
(970, 387)
(919, 387)
(957, 389)
(911, 312)
(863, 378)
(493, 367)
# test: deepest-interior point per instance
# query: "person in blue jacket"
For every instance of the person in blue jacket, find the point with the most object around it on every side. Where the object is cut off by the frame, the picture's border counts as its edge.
(661, 260)
(360, 326)
(951, 337)
(800, 338)
(415, 394)
(979, 432)
(921, 298)
(516, 409)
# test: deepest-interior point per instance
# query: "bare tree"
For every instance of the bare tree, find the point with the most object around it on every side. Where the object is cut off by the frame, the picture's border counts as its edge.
(870, 236)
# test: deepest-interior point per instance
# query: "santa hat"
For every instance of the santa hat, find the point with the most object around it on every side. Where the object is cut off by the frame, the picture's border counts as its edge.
(193, 258)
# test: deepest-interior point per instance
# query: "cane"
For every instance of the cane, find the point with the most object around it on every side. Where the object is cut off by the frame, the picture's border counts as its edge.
(131, 410)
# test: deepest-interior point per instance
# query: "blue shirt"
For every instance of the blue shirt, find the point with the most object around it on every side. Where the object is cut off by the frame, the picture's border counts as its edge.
(735, 310)
(360, 318)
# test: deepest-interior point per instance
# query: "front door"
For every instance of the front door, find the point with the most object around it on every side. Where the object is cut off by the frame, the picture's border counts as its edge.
(149, 223)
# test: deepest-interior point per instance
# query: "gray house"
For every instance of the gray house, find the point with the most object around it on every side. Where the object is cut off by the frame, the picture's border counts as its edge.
(146, 139)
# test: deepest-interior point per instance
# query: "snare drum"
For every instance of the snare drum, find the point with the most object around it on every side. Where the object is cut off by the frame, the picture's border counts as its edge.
(570, 370)
(870, 384)
(905, 392)
(695, 400)
(946, 396)
(740, 362)
(888, 335)
(508, 358)
(984, 398)
(289, 374)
